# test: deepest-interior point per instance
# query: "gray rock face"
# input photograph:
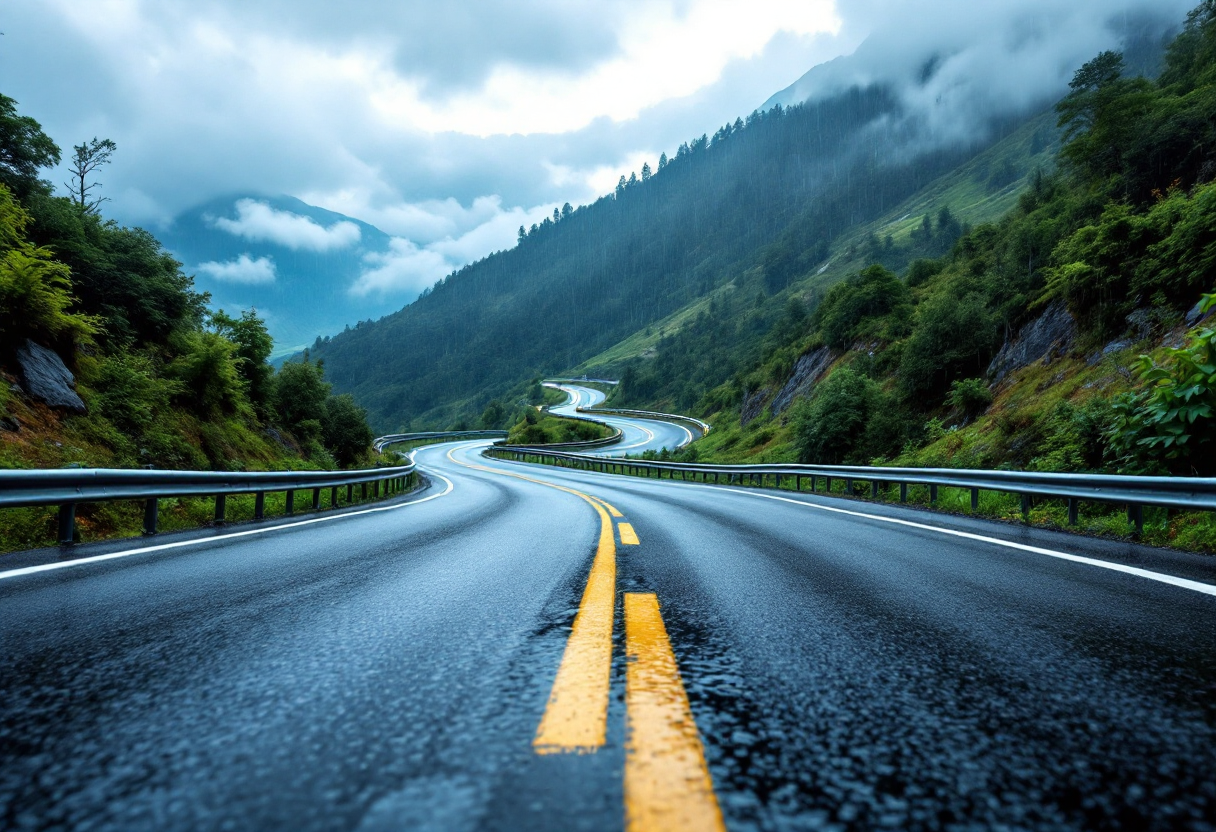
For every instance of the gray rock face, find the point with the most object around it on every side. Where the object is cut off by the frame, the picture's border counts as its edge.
(47, 379)
(1048, 336)
(753, 405)
(807, 372)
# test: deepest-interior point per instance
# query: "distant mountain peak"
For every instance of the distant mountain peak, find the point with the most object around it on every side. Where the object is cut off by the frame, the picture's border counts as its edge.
(294, 262)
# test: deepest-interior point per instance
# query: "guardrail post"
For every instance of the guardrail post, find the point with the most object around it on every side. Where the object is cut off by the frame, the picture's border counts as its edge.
(1025, 508)
(873, 489)
(151, 515)
(291, 502)
(221, 503)
(350, 490)
(259, 505)
(316, 499)
(848, 486)
(975, 499)
(376, 489)
(827, 484)
(1072, 511)
(813, 478)
(333, 497)
(903, 492)
(1135, 514)
(933, 494)
(67, 524)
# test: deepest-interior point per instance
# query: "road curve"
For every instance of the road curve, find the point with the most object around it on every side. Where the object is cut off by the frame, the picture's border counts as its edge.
(396, 669)
(637, 435)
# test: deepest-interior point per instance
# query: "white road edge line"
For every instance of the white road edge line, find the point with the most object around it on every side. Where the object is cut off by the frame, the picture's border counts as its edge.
(1184, 583)
(48, 567)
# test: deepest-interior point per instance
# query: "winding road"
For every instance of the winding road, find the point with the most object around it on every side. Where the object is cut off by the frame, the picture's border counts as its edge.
(524, 647)
(637, 435)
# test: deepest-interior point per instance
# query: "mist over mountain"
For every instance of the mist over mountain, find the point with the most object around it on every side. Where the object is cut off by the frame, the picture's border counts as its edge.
(751, 209)
(958, 68)
(298, 265)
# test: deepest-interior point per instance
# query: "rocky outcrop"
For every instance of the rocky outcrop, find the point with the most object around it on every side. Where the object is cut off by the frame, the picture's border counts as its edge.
(809, 369)
(753, 405)
(47, 379)
(1049, 336)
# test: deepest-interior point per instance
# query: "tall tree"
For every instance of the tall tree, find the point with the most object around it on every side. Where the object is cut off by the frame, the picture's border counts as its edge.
(86, 159)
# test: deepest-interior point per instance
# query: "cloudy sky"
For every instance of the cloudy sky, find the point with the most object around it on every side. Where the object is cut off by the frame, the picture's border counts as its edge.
(448, 125)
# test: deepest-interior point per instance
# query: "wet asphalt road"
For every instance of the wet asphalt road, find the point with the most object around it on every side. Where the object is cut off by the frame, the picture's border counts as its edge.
(388, 671)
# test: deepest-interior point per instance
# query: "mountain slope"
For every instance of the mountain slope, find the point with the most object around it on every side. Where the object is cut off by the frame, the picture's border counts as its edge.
(576, 286)
(982, 189)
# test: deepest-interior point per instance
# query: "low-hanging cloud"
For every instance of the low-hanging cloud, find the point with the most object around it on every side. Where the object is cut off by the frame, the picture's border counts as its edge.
(243, 269)
(407, 268)
(449, 125)
(958, 66)
(259, 222)
(404, 267)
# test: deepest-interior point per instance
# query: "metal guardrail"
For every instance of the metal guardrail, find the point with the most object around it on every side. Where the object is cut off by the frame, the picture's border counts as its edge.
(68, 487)
(396, 438)
(700, 426)
(1184, 493)
(583, 379)
(703, 427)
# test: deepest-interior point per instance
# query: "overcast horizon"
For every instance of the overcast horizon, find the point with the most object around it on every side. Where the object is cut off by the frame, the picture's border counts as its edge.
(449, 127)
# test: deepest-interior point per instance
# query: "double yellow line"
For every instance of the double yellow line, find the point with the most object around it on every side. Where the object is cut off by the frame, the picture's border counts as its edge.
(667, 782)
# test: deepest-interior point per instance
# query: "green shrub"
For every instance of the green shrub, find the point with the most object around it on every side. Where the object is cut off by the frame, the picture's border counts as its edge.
(849, 419)
(1171, 424)
(954, 336)
(971, 396)
(852, 309)
(208, 371)
(35, 289)
(344, 429)
(299, 394)
(1075, 437)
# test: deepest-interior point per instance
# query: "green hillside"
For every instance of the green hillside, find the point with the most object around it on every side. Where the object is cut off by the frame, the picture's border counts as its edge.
(1068, 333)
(981, 190)
(146, 374)
(771, 192)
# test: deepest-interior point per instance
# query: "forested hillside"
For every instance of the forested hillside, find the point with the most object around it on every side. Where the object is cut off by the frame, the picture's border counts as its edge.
(771, 192)
(140, 373)
(1068, 336)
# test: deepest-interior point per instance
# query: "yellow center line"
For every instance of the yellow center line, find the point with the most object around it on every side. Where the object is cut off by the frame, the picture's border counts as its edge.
(628, 535)
(667, 782)
(576, 717)
(611, 509)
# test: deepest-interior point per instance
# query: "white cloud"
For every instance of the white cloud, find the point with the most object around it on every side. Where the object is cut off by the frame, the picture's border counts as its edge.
(403, 268)
(243, 269)
(427, 119)
(668, 50)
(407, 268)
(422, 222)
(259, 221)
